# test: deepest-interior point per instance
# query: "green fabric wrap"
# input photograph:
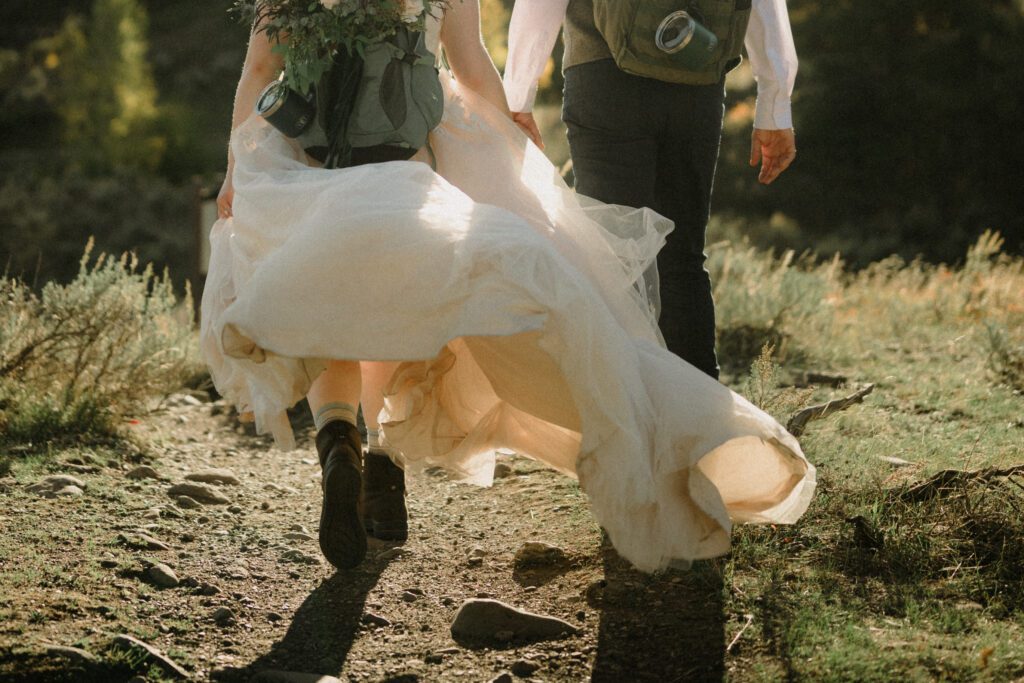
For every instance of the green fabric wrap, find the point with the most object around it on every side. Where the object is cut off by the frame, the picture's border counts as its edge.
(399, 100)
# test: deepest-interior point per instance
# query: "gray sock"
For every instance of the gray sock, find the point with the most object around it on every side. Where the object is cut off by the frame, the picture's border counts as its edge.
(330, 412)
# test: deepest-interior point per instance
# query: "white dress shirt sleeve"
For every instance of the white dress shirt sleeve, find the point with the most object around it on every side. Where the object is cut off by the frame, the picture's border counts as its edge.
(769, 43)
(531, 37)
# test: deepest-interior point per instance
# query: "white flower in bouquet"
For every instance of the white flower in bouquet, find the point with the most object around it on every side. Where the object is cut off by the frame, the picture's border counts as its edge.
(412, 10)
(330, 4)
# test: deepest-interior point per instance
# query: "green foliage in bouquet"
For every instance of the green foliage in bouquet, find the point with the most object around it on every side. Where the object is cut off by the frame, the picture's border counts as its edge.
(308, 33)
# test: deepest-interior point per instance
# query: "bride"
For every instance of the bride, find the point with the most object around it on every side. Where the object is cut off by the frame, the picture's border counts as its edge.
(478, 306)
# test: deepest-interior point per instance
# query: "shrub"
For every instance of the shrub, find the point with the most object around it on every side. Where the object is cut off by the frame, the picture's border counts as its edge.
(79, 358)
(763, 387)
(1005, 358)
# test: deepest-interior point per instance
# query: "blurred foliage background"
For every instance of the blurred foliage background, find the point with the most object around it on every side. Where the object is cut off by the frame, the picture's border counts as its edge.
(908, 120)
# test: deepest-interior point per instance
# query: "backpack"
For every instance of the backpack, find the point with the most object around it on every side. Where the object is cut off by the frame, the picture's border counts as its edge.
(631, 29)
(388, 97)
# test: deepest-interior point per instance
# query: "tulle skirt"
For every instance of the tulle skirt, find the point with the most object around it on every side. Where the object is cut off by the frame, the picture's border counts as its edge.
(525, 317)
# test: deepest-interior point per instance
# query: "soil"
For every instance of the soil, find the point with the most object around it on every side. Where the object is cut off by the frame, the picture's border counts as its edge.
(74, 573)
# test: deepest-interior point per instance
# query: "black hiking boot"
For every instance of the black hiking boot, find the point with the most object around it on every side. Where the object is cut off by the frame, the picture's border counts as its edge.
(342, 536)
(384, 512)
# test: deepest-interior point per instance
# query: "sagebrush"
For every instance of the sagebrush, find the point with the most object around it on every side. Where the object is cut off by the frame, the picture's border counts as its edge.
(79, 358)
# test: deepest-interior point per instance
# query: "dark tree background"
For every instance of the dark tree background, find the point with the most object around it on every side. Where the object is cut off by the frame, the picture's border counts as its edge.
(908, 120)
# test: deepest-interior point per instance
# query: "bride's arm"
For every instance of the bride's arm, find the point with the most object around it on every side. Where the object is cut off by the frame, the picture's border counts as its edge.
(261, 67)
(467, 56)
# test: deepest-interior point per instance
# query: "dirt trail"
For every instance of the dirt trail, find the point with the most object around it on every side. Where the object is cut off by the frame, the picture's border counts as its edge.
(76, 571)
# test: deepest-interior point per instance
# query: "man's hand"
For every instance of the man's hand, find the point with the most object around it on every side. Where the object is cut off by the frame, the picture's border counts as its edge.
(524, 120)
(774, 149)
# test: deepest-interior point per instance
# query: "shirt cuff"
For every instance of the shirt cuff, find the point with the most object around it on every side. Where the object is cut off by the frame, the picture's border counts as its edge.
(520, 98)
(773, 112)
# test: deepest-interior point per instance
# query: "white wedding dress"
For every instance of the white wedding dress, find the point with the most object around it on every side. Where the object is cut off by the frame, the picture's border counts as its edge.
(523, 316)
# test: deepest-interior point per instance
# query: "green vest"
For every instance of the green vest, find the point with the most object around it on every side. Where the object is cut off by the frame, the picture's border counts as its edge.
(617, 36)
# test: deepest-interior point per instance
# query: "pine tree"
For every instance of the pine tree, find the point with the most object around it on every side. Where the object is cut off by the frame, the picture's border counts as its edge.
(107, 98)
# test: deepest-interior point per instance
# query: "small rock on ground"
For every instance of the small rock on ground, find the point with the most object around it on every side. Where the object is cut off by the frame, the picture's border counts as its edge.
(163, 576)
(72, 654)
(59, 481)
(537, 554)
(483, 620)
(198, 492)
(188, 503)
(141, 541)
(371, 619)
(394, 553)
(223, 615)
(299, 557)
(142, 472)
(524, 668)
(57, 484)
(68, 491)
(503, 677)
(218, 475)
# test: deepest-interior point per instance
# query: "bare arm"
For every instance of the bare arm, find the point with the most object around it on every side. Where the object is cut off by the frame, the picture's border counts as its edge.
(261, 67)
(470, 62)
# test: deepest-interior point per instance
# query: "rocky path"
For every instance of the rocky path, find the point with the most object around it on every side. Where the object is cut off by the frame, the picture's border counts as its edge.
(202, 548)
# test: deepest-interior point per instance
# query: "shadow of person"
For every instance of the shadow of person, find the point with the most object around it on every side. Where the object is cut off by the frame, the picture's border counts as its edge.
(666, 628)
(324, 627)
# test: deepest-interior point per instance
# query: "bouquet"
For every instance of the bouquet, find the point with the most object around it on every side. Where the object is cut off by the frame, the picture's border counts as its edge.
(309, 34)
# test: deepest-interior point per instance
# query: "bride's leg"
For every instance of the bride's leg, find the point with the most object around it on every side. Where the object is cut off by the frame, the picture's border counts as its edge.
(333, 399)
(335, 392)
(384, 511)
(375, 375)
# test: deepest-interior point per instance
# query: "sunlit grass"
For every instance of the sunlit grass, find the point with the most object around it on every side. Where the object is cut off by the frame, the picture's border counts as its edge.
(870, 586)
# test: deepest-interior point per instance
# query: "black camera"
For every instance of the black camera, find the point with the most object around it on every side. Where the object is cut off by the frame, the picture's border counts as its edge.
(294, 114)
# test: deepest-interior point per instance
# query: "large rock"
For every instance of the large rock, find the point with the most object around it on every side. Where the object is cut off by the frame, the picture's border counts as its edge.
(198, 492)
(494, 622)
(152, 656)
(215, 476)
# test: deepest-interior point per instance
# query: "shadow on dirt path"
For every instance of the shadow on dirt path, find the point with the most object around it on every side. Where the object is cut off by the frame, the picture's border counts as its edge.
(667, 628)
(324, 627)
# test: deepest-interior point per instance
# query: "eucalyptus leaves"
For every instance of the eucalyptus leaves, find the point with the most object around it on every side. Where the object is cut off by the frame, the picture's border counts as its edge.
(308, 33)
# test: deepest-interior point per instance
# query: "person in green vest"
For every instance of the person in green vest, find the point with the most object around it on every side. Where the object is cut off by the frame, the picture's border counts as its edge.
(645, 121)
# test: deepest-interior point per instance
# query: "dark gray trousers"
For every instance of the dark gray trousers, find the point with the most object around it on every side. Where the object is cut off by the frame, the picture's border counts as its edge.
(641, 142)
